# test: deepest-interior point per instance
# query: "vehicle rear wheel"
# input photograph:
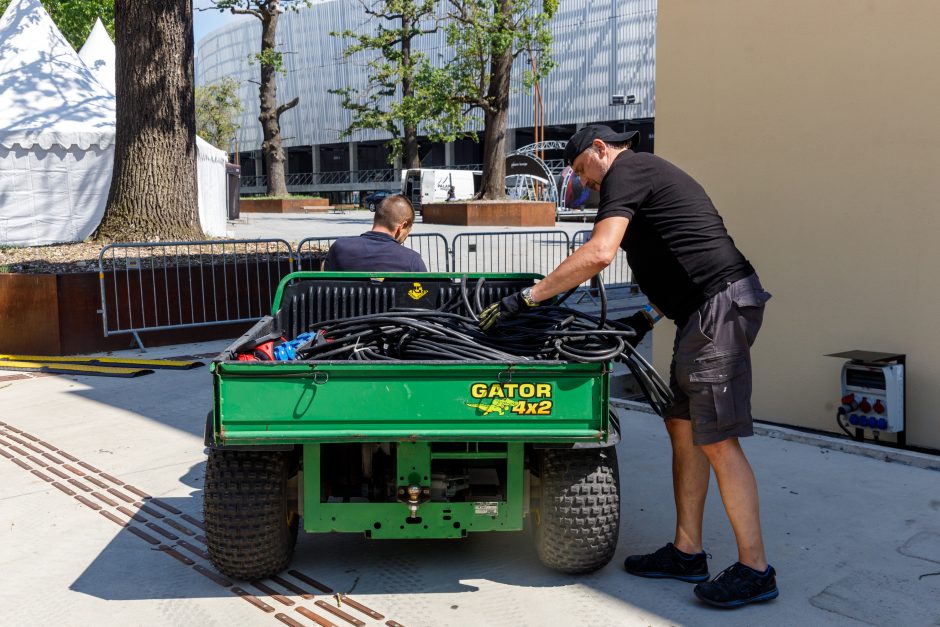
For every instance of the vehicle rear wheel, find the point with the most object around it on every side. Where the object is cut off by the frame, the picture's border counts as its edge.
(371, 206)
(250, 526)
(577, 519)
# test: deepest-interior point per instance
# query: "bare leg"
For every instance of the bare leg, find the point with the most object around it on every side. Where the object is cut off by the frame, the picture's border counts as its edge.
(739, 494)
(690, 471)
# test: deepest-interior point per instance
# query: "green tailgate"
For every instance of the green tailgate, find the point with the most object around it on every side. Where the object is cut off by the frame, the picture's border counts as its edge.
(297, 402)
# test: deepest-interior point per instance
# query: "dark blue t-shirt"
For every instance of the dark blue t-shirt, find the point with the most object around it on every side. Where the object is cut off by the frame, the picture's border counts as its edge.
(372, 252)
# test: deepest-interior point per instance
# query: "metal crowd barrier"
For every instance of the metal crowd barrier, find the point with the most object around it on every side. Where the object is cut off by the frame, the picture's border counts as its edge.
(175, 285)
(504, 251)
(431, 246)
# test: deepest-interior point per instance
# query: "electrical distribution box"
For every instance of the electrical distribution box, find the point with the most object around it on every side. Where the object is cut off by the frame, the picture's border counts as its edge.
(873, 390)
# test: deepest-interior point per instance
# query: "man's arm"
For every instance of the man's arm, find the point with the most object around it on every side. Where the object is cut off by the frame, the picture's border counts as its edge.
(587, 261)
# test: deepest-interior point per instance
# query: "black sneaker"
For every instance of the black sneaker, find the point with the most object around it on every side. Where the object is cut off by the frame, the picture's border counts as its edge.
(669, 562)
(739, 585)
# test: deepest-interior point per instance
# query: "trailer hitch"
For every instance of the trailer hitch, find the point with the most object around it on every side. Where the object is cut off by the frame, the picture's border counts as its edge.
(413, 496)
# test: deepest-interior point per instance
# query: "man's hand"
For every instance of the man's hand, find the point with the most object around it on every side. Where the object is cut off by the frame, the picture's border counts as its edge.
(505, 309)
(641, 322)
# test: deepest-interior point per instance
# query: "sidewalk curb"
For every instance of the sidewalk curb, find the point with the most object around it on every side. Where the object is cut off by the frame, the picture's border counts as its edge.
(873, 451)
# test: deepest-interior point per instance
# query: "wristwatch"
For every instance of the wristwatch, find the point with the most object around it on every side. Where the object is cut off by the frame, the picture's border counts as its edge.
(527, 297)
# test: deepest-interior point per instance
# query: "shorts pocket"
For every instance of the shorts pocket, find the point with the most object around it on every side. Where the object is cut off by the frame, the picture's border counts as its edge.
(748, 295)
(727, 381)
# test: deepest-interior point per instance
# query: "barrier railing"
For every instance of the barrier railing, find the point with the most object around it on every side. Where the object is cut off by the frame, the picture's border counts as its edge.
(618, 272)
(525, 251)
(431, 246)
(175, 285)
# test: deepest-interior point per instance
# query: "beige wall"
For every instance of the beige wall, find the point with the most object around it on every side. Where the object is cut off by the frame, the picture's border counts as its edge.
(815, 128)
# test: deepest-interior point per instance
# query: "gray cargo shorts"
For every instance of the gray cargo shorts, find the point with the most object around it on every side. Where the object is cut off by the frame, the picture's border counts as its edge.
(710, 374)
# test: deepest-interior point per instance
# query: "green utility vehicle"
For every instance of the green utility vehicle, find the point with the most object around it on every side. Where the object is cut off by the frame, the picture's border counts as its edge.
(404, 449)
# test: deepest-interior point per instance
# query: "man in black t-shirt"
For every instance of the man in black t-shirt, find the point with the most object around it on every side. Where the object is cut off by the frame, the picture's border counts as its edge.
(379, 250)
(688, 266)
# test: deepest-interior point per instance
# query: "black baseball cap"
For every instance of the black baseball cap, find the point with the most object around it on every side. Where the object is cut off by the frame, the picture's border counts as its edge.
(583, 139)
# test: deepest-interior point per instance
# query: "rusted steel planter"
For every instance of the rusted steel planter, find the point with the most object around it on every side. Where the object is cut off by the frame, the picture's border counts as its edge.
(284, 205)
(490, 213)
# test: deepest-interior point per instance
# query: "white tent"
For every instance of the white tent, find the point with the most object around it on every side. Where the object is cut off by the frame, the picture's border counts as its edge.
(98, 55)
(57, 125)
(56, 133)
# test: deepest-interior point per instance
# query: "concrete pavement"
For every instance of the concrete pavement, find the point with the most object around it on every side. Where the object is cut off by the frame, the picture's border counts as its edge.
(855, 540)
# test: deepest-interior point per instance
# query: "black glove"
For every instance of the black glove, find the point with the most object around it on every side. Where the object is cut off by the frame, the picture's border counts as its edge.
(641, 322)
(505, 309)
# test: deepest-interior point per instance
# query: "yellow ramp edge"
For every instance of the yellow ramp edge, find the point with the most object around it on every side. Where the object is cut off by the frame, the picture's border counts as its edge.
(58, 368)
(165, 364)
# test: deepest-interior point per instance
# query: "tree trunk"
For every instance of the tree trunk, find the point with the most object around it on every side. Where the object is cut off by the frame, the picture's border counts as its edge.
(410, 139)
(495, 118)
(270, 116)
(153, 187)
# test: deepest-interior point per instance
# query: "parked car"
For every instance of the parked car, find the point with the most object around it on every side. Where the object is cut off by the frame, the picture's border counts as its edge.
(372, 200)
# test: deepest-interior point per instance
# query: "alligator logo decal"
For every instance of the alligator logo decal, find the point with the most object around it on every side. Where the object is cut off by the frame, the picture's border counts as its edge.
(499, 405)
(418, 292)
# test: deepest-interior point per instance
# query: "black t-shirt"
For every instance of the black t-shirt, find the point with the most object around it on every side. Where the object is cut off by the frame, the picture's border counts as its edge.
(676, 243)
(372, 252)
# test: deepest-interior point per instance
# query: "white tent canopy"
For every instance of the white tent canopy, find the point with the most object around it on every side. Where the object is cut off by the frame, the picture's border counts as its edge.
(57, 128)
(98, 54)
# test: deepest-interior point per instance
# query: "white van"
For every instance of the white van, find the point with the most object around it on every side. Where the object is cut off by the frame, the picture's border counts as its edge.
(429, 185)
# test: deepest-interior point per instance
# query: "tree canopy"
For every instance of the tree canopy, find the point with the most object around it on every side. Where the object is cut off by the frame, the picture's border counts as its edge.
(217, 107)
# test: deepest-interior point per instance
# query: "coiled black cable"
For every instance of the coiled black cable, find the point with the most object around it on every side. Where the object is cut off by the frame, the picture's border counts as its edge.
(451, 333)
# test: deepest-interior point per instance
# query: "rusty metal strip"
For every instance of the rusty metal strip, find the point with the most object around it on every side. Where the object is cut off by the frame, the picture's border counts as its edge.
(72, 469)
(311, 581)
(18, 450)
(132, 514)
(15, 439)
(104, 499)
(65, 455)
(219, 579)
(78, 484)
(29, 436)
(195, 550)
(139, 493)
(34, 448)
(146, 537)
(319, 620)
(163, 532)
(183, 530)
(113, 480)
(193, 521)
(359, 606)
(5, 454)
(21, 464)
(271, 592)
(37, 461)
(52, 458)
(47, 445)
(287, 620)
(88, 502)
(201, 539)
(63, 488)
(352, 620)
(98, 482)
(176, 555)
(165, 506)
(120, 495)
(57, 472)
(112, 518)
(293, 588)
(149, 510)
(88, 467)
(253, 599)
(45, 478)
(392, 623)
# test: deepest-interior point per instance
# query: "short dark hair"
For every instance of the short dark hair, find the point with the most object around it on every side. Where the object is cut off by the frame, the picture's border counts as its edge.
(392, 211)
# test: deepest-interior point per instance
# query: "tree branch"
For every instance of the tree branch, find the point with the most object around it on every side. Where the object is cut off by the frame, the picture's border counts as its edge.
(287, 106)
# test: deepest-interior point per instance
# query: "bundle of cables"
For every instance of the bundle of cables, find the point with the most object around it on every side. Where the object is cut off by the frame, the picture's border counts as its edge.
(451, 333)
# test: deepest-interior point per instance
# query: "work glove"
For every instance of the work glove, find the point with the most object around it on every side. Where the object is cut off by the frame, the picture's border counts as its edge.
(506, 308)
(641, 322)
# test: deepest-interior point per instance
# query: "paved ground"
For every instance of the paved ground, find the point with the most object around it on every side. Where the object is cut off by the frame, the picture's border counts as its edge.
(855, 540)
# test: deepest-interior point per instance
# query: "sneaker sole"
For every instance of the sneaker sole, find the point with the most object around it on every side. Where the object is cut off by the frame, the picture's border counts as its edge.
(767, 596)
(685, 578)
